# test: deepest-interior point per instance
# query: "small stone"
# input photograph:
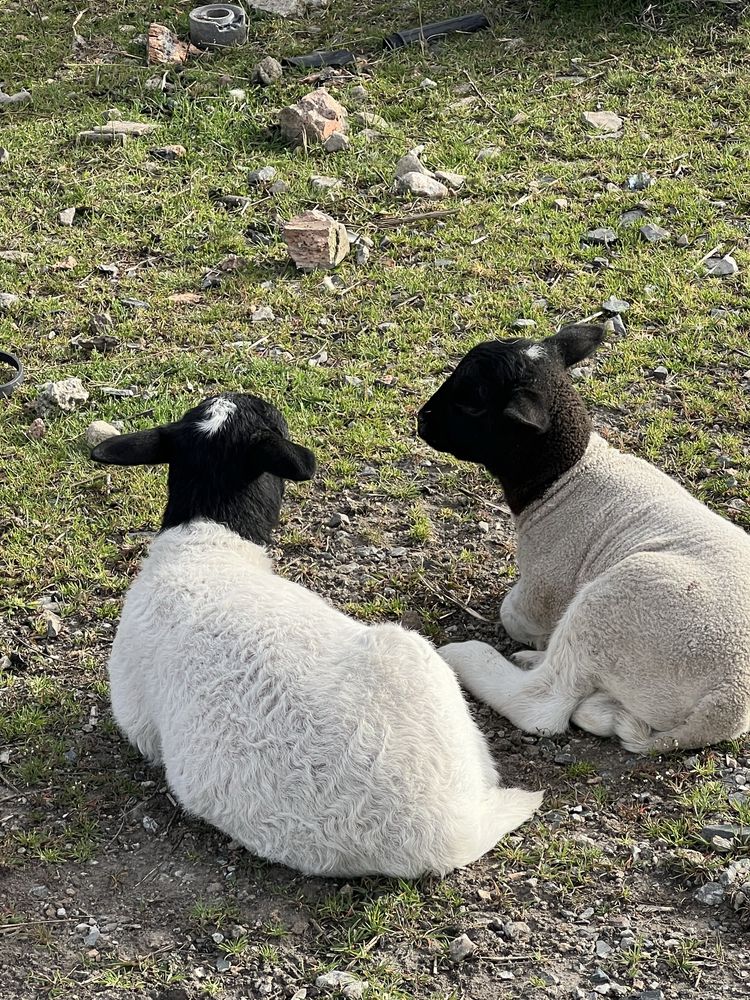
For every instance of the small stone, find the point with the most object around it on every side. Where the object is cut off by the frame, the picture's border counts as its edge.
(4, 155)
(67, 216)
(517, 930)
(461, 948)
(488, 153)
(149, 824)
(650, 995)
(7, 299)
(335, 980)
(238, 95)
(653, 234)
(263, 176)
(454, 181)
(135, 303)
(631, 217)
(223, 964)
(615, 305)
(372, 121)
(721, 267)
(279, 187)
(39, 892)
(315, 240)
(604, 121)
(524, 324)
(660, 373)
(599, 977)
(410, 163)
(616, 325)
(710, 894)
(338, 520)
(267, 72)
(358, 93)
(53, 623)
(98, 431)
(603, 950)
(561, 204)
(399, 552)
(37, 429)
(354, 991)
(262, 314)
(168, 153)
(336, 143)
(640, 181)
(323, 183)
(427, 84)
(92, 937)
(217, 937)
(64, 395)
(600, 237)
(483, 527)
(422, 186)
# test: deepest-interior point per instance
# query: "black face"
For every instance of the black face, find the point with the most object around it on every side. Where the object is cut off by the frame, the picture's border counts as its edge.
(475, 407)
(228, 458)
(511, 407)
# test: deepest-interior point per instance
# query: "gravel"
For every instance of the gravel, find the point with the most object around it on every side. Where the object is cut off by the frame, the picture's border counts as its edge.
(461, 948)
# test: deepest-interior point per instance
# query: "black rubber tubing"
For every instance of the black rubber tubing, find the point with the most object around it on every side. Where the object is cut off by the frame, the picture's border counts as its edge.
(470, 22)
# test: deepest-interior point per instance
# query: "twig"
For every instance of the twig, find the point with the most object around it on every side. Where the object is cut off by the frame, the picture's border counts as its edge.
(479, 93)
(736, 350)
(459, 604)
(407, 220)
(33, 923)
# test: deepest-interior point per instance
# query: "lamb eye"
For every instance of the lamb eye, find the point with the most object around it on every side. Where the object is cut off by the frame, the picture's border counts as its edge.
(472, 409)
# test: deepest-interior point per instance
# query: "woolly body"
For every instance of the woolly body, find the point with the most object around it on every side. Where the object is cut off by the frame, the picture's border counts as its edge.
(315, 741)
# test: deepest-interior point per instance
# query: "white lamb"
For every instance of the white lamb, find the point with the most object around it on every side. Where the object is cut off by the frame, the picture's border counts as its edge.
(637, 595)
(315, 741)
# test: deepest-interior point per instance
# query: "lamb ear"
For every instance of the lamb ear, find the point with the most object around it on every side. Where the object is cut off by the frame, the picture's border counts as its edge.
(576, 342)
(284, 458)
(527, 407)
(149, 447)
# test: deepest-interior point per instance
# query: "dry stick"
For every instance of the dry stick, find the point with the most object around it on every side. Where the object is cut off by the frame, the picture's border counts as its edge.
(479, 93)
(407, 220)
(736, 350)
(34, 923)
(459, 604)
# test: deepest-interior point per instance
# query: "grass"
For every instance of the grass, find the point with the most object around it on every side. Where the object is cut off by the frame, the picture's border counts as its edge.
(678, 74)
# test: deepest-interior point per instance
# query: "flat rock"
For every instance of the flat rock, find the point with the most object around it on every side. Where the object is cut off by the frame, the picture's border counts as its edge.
(372, 121)
(8, 299)
(615, 305)
(263, 314)
(454, 181)
(422, 186)
(603, 121)
(66, 217)
(652, 233)
(335, 980)
(600, 237)
(281, 8)
(631, 217)
(721, 267)
(131, 129)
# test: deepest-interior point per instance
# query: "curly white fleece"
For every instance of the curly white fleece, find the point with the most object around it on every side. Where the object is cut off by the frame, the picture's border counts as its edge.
(639, 597)
(314, 740)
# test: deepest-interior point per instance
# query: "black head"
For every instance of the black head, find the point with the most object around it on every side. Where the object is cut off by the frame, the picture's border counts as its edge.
(228, 458)
(510, 406)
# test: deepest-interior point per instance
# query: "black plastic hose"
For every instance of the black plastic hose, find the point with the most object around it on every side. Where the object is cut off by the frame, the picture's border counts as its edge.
(426, 32)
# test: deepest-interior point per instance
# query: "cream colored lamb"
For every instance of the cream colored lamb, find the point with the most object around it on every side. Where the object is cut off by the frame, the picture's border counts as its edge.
(636, 595)
(331, 746)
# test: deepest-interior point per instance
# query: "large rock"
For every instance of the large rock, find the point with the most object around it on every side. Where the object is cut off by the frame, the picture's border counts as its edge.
(313, 119)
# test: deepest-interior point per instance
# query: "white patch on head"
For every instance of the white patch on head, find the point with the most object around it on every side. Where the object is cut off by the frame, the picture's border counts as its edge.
(219, 410)
(535, 352)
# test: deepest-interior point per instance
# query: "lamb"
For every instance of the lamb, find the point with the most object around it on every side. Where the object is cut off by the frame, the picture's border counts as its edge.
(315, 741)
(635, 596)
